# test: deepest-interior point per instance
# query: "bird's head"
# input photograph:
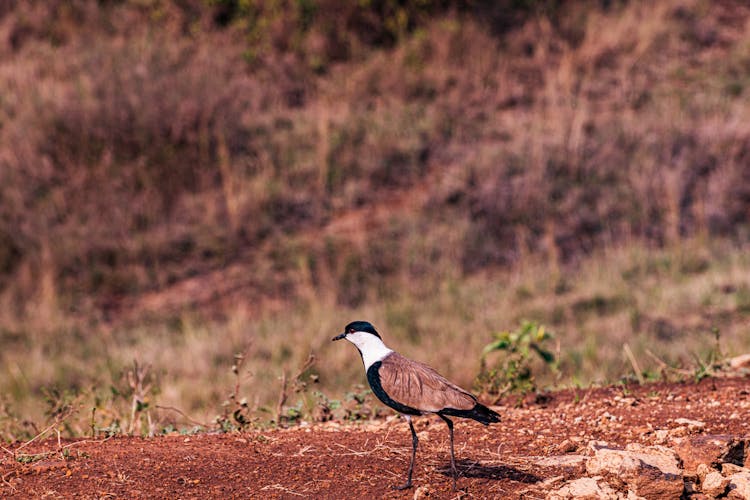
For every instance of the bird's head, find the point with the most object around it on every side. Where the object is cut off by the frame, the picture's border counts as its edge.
(357, 332)
(367, 340)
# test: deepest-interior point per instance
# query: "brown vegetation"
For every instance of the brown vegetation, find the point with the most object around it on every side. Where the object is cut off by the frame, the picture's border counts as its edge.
(175, 174)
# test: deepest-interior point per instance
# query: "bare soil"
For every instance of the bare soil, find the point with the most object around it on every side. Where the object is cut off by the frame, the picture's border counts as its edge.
(336, 460)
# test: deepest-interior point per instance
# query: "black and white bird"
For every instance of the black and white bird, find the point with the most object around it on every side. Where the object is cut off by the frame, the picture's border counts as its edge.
(412, 388)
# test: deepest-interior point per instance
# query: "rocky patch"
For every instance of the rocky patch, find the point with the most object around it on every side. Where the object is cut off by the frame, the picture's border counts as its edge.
(698, 466)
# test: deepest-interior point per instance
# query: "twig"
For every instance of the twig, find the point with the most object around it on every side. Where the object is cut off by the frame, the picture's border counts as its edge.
(310, 361)
(6, 482)
(282, 398)
(283, 394)
(136, 380)
(24, 445)
(184, 415)
(665, 367)
(234, 406)
(661, 363)
(634, 363)
(353, 452)
(60, 447)
(303, 450)
(239, 361)
(59, 419)
(281, 488)
(86, 441)
(500, 393)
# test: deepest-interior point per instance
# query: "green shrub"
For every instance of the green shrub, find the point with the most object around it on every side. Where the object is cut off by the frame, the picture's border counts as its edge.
(513, 372)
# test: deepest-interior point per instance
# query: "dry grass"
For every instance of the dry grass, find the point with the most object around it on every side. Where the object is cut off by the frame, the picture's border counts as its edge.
(168, 196)
(651, 300)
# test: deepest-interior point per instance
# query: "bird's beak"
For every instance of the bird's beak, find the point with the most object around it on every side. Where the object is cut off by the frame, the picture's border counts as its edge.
(339, 336)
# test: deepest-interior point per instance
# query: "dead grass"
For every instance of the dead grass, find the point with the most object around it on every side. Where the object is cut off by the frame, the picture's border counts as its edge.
(665, 311)
(167, 196)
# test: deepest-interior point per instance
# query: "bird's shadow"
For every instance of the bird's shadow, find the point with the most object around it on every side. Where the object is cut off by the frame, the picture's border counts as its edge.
(468, 468)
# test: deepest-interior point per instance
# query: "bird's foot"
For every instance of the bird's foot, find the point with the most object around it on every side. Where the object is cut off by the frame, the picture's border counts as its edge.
(404, 486)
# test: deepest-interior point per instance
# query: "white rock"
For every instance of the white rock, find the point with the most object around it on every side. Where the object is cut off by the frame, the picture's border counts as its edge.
(661, 436)
(649, 471)
(585, 488)
(691, 424)
(702, 471)
(714, 484)
(739, 485)
(660, 457)
(741, 361)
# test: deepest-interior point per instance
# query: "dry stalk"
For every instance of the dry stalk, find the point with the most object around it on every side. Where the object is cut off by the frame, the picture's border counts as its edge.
(86, 441)
(183, 414)
(634, 363)
(310, 361)
(355, 452)
(239, 362)
(303, 450)
(664, 367)
(59, 419)
(7, 483)
(137, 382)
(282, 398)
(240, 407)
(279, 487)
(283, 394)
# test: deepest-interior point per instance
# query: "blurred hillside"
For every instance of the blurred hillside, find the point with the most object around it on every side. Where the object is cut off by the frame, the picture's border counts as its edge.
(279, 166)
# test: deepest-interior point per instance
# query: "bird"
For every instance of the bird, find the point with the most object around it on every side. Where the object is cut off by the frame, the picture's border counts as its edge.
(412, 388)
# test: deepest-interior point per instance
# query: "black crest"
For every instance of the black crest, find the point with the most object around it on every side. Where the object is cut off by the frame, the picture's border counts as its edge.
(361, 326)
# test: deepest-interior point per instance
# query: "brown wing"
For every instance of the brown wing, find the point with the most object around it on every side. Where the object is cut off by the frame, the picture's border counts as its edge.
(418, 386)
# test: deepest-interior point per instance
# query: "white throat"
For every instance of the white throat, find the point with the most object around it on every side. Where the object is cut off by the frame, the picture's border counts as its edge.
(371, 347)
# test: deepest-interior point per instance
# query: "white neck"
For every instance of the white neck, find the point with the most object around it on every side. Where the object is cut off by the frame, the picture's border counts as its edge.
(371, 347)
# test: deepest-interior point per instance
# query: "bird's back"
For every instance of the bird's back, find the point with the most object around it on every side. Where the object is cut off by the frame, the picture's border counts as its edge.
(416, 385)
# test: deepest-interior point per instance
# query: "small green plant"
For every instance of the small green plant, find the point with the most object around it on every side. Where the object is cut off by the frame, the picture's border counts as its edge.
(513, 372)
(293, 414)
(300, 384)
(358, 404)
(24, 458)
(324, 407)
(708, 366)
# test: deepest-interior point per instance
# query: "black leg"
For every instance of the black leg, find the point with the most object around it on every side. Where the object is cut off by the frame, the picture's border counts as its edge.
(414, 442)
(453, 457)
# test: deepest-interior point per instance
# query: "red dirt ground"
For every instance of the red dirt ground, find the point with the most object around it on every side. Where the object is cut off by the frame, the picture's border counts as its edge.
(335, 460)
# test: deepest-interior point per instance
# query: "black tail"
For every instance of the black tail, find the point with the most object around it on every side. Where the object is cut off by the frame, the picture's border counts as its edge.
(480, 413)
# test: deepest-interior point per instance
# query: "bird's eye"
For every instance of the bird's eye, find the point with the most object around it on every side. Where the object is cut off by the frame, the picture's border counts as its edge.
(351, 330)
